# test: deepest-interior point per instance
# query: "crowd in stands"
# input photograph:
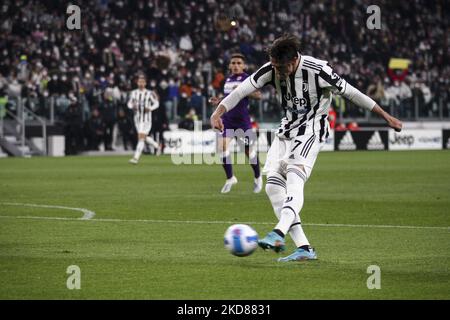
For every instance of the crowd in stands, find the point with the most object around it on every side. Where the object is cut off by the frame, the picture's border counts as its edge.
(183, 47)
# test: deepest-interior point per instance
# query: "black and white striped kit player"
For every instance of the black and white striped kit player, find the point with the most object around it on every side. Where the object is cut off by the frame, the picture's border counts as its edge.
(305, 86)
(143, 102)
(305, 96)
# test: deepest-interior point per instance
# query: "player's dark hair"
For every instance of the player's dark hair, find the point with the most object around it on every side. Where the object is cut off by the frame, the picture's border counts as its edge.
(284, 48)
(141, 76)
(238, 55)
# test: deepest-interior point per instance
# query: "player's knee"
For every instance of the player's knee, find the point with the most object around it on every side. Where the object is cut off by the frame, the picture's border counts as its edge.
(275, 185)
(299, 170)
(270, 189)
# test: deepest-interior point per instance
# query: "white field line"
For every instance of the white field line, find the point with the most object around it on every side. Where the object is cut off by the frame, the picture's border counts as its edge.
(337, 225)
(87, 214)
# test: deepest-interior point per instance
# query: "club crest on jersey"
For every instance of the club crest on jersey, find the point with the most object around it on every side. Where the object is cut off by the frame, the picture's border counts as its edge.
(305, 86)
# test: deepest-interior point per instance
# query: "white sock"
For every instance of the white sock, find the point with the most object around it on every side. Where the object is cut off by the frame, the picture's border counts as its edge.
(276, 191)
(150, 140)
(297, 234)
(139, 148)
(294, 198)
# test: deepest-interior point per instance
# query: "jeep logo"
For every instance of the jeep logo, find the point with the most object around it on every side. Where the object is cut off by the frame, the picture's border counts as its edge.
(399, 139)
(295, 100)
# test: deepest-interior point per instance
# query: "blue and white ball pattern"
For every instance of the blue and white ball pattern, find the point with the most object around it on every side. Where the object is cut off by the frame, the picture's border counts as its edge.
(241, 240)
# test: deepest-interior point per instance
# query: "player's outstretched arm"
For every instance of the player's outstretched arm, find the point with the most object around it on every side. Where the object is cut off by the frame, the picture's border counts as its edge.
(329, 79)
(392, 122)
(216, 117)
(365, 102)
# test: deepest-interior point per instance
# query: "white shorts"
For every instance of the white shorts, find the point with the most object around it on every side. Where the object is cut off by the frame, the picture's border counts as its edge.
(143, 127)
(301, 150)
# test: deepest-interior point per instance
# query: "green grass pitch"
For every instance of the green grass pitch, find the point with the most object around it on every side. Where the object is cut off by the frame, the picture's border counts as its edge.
(134, 255)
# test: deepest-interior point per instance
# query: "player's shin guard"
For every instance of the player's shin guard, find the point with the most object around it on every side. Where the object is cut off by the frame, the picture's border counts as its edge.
(297, 234)
(293, 202)
(276, 191)
(139, 148)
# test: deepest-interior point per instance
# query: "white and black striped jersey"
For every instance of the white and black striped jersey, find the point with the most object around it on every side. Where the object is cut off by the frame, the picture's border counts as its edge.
(145, 101)
(305, 96)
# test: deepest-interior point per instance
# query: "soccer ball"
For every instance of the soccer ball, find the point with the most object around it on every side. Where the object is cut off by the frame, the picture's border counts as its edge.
(241, 240)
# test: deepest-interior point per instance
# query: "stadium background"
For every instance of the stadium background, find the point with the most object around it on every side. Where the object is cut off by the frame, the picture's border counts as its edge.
(77, 81)
(157, 232)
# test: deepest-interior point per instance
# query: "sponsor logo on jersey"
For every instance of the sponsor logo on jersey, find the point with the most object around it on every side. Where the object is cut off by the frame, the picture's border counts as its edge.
(375, 142)
(295, 100)
(347, 142)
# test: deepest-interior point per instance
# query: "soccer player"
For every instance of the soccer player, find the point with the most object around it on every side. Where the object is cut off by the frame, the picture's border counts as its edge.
(143, 102)
(238, 118)
(304, 86)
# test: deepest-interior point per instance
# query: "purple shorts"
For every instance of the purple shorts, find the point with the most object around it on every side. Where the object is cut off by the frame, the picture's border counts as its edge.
(243, 133)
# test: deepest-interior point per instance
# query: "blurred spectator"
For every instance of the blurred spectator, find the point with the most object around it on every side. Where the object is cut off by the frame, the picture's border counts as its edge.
(399, 96)
(353, 126)
(186, 43)
(188, 121)
(127, 129)
(376, 89)
(341, 127)
(94, 130)
(196, 101)
(73, 128)
(332, 117)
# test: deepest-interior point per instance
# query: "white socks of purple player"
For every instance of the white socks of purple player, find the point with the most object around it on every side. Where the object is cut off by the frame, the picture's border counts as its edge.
(287, 201)
(139, 149)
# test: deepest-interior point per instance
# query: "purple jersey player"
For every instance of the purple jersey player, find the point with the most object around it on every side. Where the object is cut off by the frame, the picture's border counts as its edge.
(237, 119)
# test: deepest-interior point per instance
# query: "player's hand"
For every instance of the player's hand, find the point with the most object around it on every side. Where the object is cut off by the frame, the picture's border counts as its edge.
(394, 123)
(214, 101)
(216, 121)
